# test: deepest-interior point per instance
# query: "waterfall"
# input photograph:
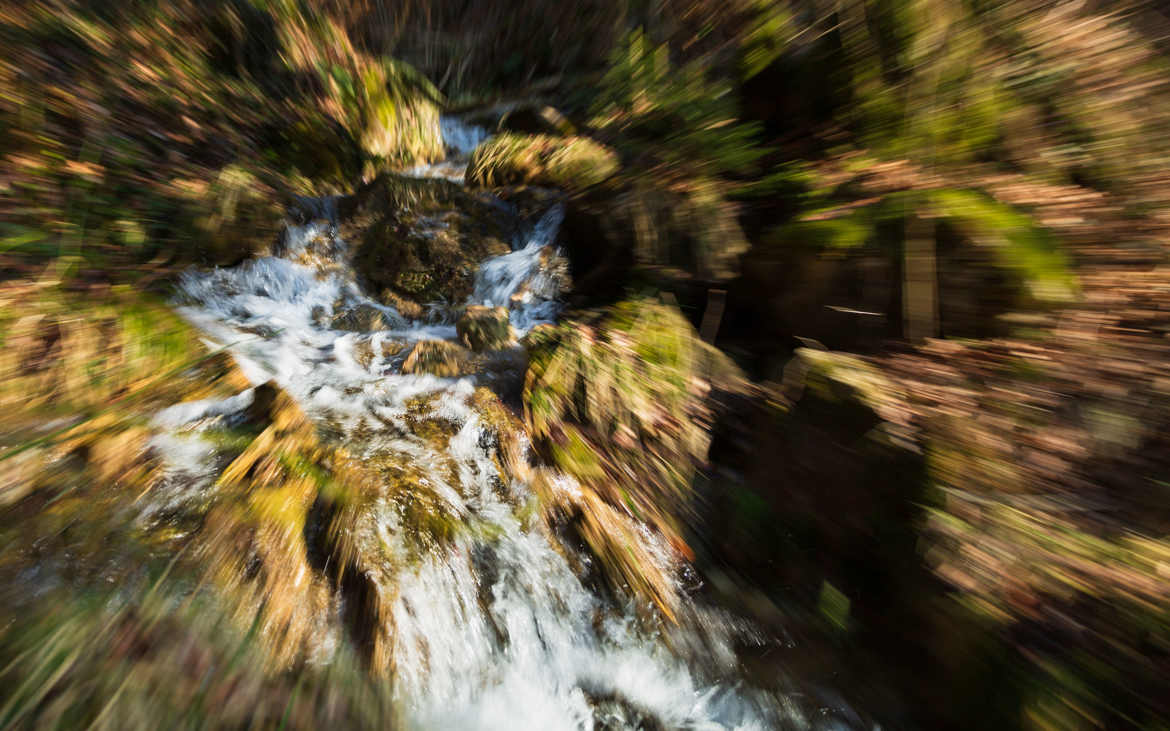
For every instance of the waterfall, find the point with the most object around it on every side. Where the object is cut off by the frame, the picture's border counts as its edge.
(492, 629)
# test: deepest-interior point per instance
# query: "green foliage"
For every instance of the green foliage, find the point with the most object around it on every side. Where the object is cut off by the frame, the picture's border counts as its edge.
(1016, 242)
(989, 83)
(169, 133)
(152, 654)
(767, 37)
(689, 121)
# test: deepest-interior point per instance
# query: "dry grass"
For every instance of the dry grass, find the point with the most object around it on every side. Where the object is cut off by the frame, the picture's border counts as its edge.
(569, 163)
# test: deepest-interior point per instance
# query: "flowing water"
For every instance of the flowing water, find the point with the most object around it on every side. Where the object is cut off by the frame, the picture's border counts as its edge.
(492, 629)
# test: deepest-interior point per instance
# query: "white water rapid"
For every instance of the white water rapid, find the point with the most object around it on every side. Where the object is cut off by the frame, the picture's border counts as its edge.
(492, 629)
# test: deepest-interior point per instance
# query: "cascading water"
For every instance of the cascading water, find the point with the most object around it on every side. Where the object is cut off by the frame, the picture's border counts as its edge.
(492, 629)
(525, 280)
(460, 140)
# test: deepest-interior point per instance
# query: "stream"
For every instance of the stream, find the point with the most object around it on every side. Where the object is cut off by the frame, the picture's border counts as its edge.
(492, 629)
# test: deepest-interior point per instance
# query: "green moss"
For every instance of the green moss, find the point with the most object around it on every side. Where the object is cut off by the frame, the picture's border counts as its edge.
(577, 458)
(156, 653)
(398, 112)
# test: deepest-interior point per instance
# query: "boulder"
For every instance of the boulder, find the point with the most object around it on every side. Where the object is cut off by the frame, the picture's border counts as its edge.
(435, 357)
(535, 119)
(622, 401)
(484, 328)
(539, 335)
(421, 241)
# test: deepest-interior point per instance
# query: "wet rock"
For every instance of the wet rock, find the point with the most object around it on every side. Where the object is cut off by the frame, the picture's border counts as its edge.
(551, 278)
(362, 318)
(255, 541)
(620, 712)
(260, 412)
(535, 119)
(484, 328)
(408, 308)
(503, 371)
(422, 241)
(319, 316)
(435, 357)
(391, 348)
(363, 353)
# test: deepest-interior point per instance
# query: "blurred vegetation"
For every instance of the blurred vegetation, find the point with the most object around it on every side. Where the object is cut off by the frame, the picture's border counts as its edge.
(568, 163)
(619, 402)
(997, 501)
(177, 133)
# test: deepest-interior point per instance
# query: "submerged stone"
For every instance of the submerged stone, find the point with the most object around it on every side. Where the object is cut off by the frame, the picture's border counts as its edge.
(361, 318)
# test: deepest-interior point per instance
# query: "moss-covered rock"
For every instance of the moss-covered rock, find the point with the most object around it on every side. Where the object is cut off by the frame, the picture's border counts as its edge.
(319, 149)
(839, 378)
(484, 328)
(571, 163)
(622, 401)
(534, 119)
(399, 115)
(386, 107)
(253, 542)
(236, 216)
